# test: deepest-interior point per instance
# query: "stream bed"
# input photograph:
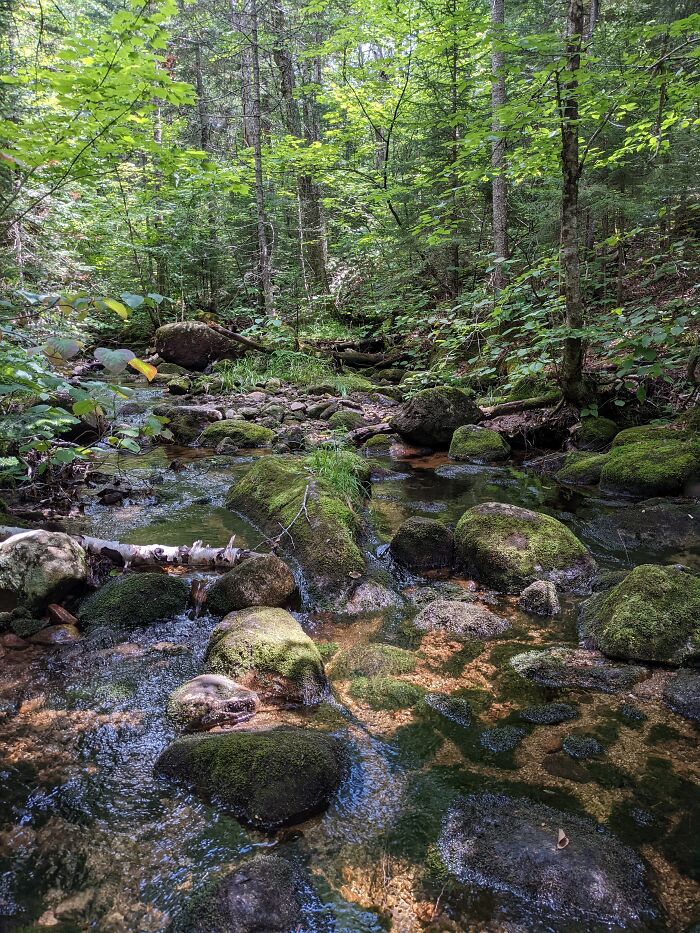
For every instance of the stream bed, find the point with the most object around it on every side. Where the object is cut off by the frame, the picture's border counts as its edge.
(90, 839)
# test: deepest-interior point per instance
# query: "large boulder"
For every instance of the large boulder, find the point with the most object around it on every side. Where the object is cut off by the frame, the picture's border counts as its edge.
(267, 650)
(475, 444)
(266, 895)
(462, 618)
(238, 432)
(134, 600)
(211, 700)
(564, 668)
(508, 548)
(423, 544)
(268, 778)
(278, 492)
(38, 568)
(658, 467)
(186, 422)
(193, 344)
(509, 845)
(431, 417)
(264, 580)
(651, 615)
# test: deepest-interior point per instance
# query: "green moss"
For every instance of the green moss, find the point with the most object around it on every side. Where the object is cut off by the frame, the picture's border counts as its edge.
(372, 660)
(135, 599)
(595, 433)
(653, 433)
(423, 544)
(509, 548)
(652, 615)
(267, 778)
(321, 536)
(266, 644)
(327, 650)
(481, 445)
(346, 420)
(378, 442)
(242, 433)
(581, 469)
(385, 692)
(651, 467)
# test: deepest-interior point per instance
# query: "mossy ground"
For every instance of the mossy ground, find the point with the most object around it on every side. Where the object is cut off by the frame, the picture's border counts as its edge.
(133, 600)
(241, 433)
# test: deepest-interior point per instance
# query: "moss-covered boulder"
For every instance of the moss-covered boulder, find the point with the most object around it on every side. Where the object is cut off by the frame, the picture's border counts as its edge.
(508, 548)
(134, 600)
(378, 443)
(38, 568)
(345, 420)
(211, 700)
(239, 432)
(475, 444)
(267, 778)
(581, 469)
(265, 895)
(565, 668)
(651, 467)
(264, 580)
(267, 650)
(385, 693)
(540, 598)
(372, 660)
(186, 422)
(654, 433)
(278, 492)
(432, 416)
(652, 615)
(193, 344)
(595, 433)
(423, 544)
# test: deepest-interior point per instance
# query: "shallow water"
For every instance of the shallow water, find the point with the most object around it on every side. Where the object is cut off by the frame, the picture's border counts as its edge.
(89, 835)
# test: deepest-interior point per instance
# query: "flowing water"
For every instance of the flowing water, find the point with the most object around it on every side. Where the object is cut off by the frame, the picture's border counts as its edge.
(90, 839)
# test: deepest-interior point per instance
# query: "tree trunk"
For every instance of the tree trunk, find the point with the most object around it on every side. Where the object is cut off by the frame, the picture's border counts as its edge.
(572, 363)
(498, 147)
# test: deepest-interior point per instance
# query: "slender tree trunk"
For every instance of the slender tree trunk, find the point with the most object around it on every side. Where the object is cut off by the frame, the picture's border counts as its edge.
(572, 363)
(454, 152)
(498, 147)
(209, 260)
(161, 270)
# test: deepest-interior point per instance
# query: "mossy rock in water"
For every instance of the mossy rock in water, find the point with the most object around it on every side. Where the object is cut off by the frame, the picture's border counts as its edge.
(267, 778)
(211, 700)
(655, 433)
(508, 548)
(241, 433)
(372, 660)
(651, 467)
(595, 433)
(479, 445)
(378, 442)
(267, 650)
(652, 615)
(385, 693)
(266, 887)
(432, 416)
(133, 600)
(461, 618)
(423, 544)
(581, 469)
(263, 580)
(575, 669)
(278, 491)
(186, 422)
(346, 420)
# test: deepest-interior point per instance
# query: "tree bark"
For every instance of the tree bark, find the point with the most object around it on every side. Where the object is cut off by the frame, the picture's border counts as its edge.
(499, 192)
(572, 364)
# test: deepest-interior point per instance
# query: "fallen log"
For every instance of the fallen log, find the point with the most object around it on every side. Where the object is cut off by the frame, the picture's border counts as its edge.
(526, 404)
(360, 435)
(239, 338)
(154, 555)
(356, 358)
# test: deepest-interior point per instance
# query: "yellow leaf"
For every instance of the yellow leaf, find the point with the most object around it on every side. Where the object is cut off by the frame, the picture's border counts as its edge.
(149, 371)
(117, 307)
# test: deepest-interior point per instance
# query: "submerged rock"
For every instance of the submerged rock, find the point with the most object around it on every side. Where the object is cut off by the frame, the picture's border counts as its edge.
(540, 598)
(682, 694)
(456, 709)
(479, 445)
(509, 547)
(371, 597)
(278, 492)
(238, 433)
(264, 580)
(549, 714)
(371, 660)
(38, 568)
(652, 615)
(576, 668)
(266, 895)
(193, 345)
(211, 700)
(510, 845)
(431, 417)
(582, 746)
(186, 422)
(460, 617)
(501, 738)
(385, 693)
(423, 544)
(268, 778)
(133, 600)
(651, 467)
(266, 649)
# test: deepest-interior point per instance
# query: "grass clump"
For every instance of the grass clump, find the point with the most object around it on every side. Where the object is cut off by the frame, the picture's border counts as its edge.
(340, 469)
